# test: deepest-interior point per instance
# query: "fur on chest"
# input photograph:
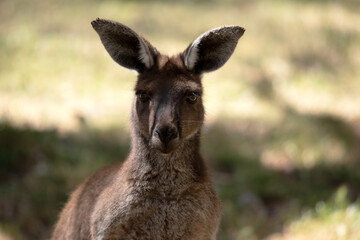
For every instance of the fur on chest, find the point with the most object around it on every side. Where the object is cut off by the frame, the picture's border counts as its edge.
(165, 202)
(157, 216)
(152, 216)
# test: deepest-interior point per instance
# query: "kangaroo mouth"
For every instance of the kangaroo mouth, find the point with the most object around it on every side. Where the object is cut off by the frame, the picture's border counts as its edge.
(165, 147)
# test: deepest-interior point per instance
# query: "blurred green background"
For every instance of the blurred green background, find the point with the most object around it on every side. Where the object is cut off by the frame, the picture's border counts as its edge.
(282, 132)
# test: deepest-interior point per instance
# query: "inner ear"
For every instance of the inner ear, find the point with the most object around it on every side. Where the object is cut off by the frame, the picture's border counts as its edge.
(125, 46)
(211, 50)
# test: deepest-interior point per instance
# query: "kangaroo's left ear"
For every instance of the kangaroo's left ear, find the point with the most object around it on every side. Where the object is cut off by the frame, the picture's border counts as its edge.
(211, 50)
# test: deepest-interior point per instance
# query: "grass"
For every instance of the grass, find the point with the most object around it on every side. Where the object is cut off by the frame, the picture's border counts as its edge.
(335, 219)
(40, 168)
(282, 131)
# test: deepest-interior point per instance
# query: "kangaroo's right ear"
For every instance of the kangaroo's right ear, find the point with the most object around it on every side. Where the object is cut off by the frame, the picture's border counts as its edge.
(124, 45)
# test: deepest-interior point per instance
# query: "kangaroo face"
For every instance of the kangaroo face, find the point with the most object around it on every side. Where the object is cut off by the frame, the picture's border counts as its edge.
(168, 105)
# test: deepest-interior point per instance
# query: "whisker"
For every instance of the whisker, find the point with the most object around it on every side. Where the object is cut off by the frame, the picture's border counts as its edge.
(188, 124)
(191, 121)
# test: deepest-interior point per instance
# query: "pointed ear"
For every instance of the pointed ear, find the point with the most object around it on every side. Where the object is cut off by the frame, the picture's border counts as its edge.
(125, 46)
(211, 50)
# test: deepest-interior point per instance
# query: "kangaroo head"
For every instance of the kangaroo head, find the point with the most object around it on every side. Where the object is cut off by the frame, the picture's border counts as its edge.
(168, 107)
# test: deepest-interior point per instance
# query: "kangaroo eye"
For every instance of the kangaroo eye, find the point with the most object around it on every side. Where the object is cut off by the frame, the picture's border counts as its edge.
(192, 97)
(143, 96)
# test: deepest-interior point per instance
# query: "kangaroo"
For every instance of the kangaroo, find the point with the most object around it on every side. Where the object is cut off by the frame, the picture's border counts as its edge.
(162, 191)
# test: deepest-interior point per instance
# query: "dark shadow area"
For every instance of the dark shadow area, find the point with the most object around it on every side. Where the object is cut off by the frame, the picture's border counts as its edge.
(264, 196)
(39, 168)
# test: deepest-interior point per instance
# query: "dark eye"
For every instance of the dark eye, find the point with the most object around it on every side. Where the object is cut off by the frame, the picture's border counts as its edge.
(143, 96)
(192, 97)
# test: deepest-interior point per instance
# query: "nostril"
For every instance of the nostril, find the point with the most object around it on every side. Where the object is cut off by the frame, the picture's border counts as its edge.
(166, 134)
(159, 134)
(172, 134)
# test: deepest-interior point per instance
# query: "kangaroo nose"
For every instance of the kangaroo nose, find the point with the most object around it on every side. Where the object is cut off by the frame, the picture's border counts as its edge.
(166, 134)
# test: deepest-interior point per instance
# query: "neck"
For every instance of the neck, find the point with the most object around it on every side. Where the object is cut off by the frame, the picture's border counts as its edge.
(183, 165)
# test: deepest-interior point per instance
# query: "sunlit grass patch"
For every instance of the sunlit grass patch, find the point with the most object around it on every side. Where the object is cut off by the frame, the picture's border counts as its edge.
(334, 219)
(59, 60)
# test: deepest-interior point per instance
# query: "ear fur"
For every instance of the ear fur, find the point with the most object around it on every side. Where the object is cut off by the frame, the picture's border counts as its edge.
(124, 45)
(211, 50)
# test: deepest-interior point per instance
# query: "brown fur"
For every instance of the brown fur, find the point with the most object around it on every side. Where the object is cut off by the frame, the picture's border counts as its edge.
(162, 190)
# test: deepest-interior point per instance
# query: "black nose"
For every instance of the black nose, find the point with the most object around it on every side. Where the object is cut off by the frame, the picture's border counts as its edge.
(166, 134)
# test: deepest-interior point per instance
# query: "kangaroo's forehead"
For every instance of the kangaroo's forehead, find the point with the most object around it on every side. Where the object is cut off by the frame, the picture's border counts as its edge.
(169, 73)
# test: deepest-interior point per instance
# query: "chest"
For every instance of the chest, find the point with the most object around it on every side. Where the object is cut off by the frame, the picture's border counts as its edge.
(150, 216)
